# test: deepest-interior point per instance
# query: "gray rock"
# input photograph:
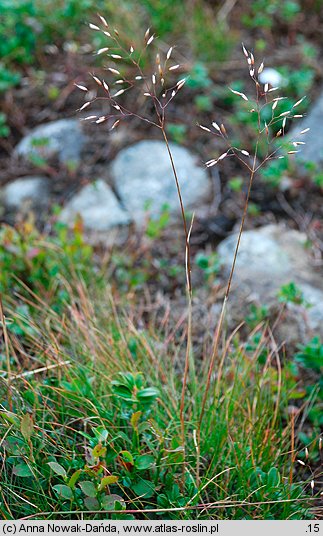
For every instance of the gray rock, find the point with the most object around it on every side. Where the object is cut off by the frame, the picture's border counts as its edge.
(142, 173)
(299, 324)
(314, 297)
(98, 207)
(268, 255)
(63, 138)
(26, 192)
(268, 258)
(313, 150)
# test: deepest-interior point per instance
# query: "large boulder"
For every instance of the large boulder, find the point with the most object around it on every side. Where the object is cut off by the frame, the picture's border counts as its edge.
(269, 257)
(143, 175)
(98, 207)
(63, 139)
(26, 192)
(313, 150)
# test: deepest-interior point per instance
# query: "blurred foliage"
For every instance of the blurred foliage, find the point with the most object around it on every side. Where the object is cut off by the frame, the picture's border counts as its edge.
(310, 360)
(28, 25)
(264, 13)
(235, 184)
(29, 257)
(291, 293)
(209, 264)
(257, 315)
(4, 129)
(207, 36)
(276, 171)
(177, 132)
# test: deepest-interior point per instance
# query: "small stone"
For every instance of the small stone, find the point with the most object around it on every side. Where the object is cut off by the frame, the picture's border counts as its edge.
(98, 207)
(143, 177)
(26, 192)
(63, 138)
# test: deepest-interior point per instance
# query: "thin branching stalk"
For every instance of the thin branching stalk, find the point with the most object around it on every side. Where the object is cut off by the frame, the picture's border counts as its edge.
(226, 297)
(189, 360)
(187, 237)
(152, 85)
(219, 326)
(219, 130)
(154, 88)
(292, 450)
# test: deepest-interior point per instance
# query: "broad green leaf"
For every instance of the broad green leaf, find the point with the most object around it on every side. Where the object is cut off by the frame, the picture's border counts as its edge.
(149, 393)
(74, 478)
(22, 469)
(144, 462)
(15, 445)
(122, 391)
(107, 481)
(88, 488)
(63, 491)
(92, 503)
(101, 434)
(127, 457)
(139, 380)
(99, 451)
(144, 488)
(9, 417)
(109, 502)
(58, 469)
(273, 478)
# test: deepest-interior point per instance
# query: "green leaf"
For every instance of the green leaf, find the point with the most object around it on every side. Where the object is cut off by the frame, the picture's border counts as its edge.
(122, 391)
(147, 394)
(91, 503)
(99, 451)
(127, 457)
(15, 445)
(110, 502)
(63, 491)
(23, 470)
(74, 478)
(144, 462)
(88, 488)
(27, 426)
(107, 481)
(58, 469)
(144, 489)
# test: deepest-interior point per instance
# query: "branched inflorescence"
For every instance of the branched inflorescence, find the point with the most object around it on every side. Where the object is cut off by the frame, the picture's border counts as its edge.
(258, 104)
(152, 86)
